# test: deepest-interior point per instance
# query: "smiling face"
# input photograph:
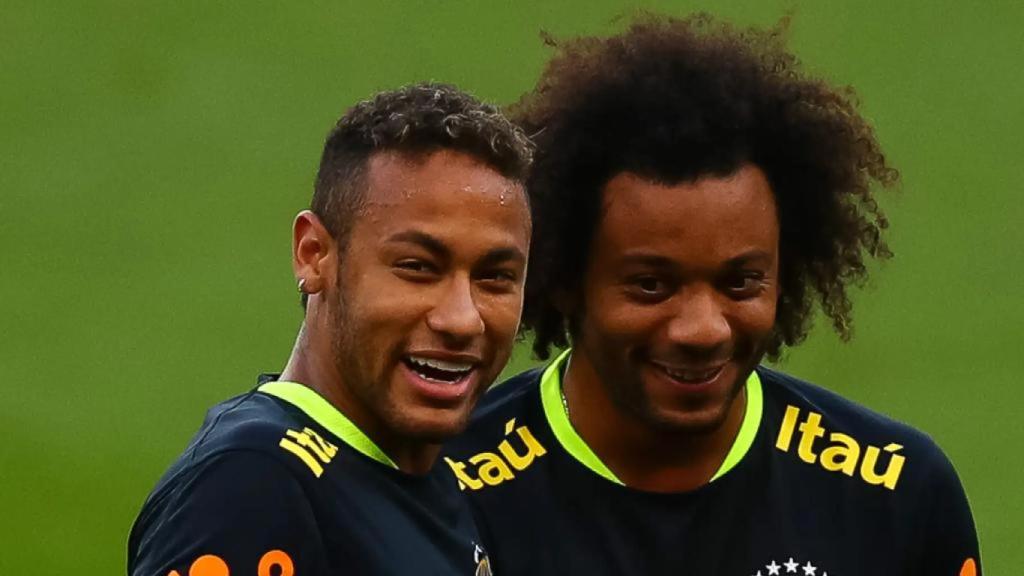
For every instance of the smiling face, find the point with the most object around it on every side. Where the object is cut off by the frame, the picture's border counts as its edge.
(428, 294)
(679, 297)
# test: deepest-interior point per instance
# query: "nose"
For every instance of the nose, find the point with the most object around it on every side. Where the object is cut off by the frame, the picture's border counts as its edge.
(456, 314)
(700, 323)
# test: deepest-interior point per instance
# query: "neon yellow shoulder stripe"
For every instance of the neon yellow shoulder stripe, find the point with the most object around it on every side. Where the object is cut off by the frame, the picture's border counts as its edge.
(748, 429)
(325, 414)
(554, 411)
(551, 399)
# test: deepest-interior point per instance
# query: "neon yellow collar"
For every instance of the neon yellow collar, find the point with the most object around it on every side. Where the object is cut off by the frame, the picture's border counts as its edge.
(551, 399)
(326, 415)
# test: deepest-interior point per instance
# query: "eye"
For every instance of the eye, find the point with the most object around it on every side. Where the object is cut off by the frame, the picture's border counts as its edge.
(499, 279)
(649, 284)
(415, 269)
(648, 288)
(746, 284)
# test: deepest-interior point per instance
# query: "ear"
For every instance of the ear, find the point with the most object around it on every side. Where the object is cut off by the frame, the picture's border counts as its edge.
(313, 253)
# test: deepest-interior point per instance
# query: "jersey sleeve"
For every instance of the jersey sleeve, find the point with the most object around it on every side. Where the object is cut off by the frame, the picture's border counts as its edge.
(240, 513)
(951, 542)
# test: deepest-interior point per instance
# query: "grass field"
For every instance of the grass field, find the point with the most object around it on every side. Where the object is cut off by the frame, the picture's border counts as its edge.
(153, 155)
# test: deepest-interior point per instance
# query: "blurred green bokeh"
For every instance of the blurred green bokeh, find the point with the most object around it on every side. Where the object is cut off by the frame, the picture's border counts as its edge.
(153, 155)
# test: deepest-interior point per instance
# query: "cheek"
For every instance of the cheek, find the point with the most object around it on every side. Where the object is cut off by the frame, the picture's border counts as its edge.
(755, 319)
(501, 315)
(382, 316)
(613, 324)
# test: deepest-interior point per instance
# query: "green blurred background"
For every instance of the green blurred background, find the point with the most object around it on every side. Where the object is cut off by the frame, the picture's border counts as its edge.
(153, 155)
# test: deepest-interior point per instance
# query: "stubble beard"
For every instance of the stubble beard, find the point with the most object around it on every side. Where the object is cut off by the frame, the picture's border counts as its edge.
(355, 372)
(358, 378)
(630, 397)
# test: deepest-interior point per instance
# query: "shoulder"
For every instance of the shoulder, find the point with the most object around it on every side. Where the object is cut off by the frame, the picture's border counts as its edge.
(897, 470)
(787, 393)
(822, 427)
(252, 421)
(233, 496)
(506, 435)
(510, 396)
(516, 399)
(246, 431)
(239, 505)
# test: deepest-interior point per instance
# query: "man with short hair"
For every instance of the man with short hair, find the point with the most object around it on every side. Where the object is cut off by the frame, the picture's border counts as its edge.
(411, 266)
(695, 194)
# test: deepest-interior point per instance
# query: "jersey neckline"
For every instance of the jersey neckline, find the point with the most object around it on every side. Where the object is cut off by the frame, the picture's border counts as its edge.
(566, 435)
(325, 414)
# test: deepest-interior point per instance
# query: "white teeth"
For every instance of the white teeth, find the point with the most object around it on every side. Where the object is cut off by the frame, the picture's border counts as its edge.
(441, 364)
(691, 375)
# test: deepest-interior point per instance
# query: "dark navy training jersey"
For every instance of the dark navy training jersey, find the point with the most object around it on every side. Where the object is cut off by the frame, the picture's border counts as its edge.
(814, 485)
(277, 482)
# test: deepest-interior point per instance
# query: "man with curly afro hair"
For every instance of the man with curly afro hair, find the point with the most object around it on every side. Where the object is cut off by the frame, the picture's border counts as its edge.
(411, 264)
(696, 197)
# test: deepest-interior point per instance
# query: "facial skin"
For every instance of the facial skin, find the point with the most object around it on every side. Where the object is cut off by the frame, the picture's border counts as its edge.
(432, 270)
(679, 298)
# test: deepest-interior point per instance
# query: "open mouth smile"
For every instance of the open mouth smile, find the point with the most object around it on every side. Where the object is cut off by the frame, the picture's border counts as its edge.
(438, 371)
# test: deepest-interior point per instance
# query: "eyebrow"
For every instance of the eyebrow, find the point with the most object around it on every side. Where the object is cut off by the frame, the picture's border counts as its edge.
(658, 261)
(422, 239)
(750, 256)
(652, 260)
(438, 248)
(499, 255)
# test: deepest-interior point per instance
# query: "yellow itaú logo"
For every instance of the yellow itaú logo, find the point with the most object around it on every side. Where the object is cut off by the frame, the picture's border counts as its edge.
(305, 445)
(843, 454)
(491, 468)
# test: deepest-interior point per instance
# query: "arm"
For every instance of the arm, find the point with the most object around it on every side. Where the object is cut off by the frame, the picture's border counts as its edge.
(951, 543)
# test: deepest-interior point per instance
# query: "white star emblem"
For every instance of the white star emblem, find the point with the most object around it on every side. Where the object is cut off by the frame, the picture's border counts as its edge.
(773, 568)
(809, 569)
(758, 573)
(790, 566)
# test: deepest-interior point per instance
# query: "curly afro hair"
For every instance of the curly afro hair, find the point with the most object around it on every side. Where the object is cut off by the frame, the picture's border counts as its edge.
(677, 99)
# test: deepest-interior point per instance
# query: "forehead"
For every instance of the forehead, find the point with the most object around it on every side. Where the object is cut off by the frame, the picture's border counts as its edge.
(439, 191)
(710, 218)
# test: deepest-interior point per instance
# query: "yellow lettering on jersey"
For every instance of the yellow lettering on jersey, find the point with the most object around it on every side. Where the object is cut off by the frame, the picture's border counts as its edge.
(892, 471)
(311, 440)
(810, 431)
(533, 448)
(491, 468)
(329, 449)
(306, 457)
(843, 454)
(465, 480)
(786, 431)
(308, 444)
(841, 457)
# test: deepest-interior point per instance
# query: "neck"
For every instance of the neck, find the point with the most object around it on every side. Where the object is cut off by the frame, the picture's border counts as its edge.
(312, 364)
(643, 455)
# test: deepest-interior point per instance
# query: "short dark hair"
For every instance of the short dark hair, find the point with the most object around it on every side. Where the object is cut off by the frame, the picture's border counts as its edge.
(677, 99)
(416, 119)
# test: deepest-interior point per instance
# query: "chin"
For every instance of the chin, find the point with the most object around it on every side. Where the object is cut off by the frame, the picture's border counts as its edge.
(695, 423)
(695, 416)
(433, 428)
